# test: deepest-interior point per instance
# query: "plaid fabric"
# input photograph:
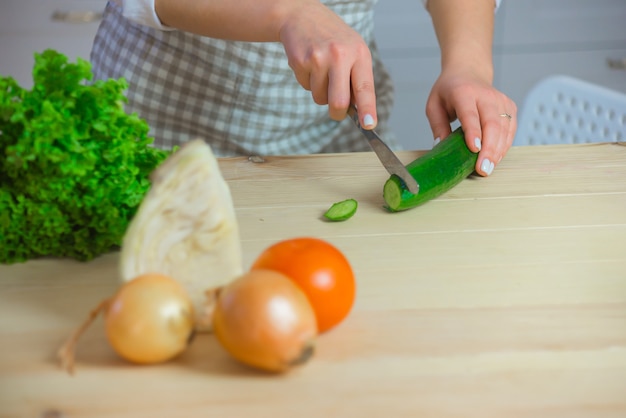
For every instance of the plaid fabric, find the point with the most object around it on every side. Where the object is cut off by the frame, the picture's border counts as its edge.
(240, 97)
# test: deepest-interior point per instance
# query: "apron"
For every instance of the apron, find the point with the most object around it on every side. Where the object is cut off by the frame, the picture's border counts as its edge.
(242, 98)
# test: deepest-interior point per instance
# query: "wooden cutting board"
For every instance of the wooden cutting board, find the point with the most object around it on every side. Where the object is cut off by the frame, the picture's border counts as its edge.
(506, 297)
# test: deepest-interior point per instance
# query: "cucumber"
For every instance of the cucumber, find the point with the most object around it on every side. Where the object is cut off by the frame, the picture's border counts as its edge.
(436, 172)
(341, 211)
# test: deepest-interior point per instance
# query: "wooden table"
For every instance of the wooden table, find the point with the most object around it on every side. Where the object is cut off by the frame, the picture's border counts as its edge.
(506, 297)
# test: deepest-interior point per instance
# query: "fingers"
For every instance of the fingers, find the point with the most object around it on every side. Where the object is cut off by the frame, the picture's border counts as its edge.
(319, 80)
(364, 95)
(333, 62)
(498, 123)
(479, 125)
(438, 118)
(478, 107)
(337, 78)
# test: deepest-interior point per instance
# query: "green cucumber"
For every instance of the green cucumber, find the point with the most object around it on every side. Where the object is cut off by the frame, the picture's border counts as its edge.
(341, 211)
(436, 172)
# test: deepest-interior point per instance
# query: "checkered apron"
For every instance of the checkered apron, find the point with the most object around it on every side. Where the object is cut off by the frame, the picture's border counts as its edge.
(240, 97)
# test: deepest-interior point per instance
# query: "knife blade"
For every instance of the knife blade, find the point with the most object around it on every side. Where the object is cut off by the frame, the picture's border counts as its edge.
(386, 156)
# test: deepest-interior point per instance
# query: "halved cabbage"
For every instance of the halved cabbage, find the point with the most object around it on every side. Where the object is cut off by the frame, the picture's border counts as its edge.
(186, 227)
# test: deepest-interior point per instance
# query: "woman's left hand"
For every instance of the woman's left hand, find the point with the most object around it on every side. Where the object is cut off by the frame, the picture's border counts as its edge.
(488, 117)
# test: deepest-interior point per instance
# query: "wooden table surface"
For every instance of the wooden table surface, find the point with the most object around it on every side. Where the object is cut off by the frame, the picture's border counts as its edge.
(506, 297)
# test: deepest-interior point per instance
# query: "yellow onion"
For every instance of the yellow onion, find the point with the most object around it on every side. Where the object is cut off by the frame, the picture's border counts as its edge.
(264, 320)
(150, 319)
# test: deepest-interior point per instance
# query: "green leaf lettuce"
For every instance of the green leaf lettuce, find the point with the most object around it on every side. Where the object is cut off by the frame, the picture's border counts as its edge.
(74, 166)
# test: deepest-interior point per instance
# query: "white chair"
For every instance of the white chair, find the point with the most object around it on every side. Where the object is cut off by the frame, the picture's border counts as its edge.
(565, 110)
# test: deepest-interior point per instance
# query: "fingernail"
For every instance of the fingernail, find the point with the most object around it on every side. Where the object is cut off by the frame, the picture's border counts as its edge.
(436, 141)
(487, 166)
(478, 143)
(368, 121)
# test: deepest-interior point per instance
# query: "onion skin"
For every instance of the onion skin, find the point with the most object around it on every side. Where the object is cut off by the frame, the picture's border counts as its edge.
(265, 320)
(150, 319)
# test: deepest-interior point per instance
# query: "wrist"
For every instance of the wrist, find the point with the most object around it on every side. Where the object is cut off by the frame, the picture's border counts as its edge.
(477, 62)
(290, 14)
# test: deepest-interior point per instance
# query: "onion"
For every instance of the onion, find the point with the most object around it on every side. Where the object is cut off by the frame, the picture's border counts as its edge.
(265, 321)
(150, 319)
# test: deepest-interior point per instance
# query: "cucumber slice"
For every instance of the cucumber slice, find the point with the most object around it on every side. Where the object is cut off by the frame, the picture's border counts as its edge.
(436, 172)
(341, 211)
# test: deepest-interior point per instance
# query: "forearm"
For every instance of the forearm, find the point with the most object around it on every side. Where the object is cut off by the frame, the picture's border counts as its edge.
(243, 20)
(328, 57)
(464, 30)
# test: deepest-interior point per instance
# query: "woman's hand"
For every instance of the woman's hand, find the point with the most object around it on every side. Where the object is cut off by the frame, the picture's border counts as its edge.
(488, 117)
(330, 59)
(464, 88)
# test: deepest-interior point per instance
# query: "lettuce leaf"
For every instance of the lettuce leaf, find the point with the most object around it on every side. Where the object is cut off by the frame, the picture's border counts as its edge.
(74, 166)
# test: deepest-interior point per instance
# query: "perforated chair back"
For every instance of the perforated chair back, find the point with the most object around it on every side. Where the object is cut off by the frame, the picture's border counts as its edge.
(565, 110)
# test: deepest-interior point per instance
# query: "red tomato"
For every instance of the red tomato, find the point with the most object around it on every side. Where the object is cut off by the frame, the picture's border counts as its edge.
(322, 272)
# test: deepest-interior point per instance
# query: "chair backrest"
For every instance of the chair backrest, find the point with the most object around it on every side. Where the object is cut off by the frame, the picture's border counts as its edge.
(565, 110)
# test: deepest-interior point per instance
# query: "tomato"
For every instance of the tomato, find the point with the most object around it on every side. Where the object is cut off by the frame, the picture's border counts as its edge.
(320, 269)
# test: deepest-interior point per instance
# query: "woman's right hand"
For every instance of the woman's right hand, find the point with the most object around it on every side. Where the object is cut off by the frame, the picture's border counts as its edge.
(331, 60)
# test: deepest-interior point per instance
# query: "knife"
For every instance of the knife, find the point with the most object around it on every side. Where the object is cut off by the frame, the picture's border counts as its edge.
(385, 155)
